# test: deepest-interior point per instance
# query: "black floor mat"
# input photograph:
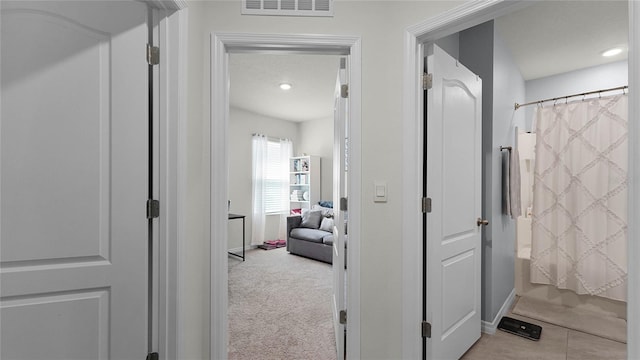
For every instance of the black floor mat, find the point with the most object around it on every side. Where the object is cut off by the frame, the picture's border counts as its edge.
(520, 328)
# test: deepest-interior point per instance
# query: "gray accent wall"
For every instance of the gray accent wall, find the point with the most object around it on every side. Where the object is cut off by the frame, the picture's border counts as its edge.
(476, 53)
(450, 44)
(508, 88)
(502, 85)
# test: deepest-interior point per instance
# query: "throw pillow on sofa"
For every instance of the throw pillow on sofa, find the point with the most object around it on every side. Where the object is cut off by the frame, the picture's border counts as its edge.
(311, 219)
(326, 212)
(326, 224)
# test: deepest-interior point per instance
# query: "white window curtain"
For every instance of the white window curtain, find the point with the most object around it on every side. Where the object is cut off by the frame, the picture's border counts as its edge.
(579, 218)
(270, 179)
(258, 212)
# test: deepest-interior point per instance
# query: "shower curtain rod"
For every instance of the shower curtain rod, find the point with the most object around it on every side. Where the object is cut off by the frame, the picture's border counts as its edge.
(517, 106)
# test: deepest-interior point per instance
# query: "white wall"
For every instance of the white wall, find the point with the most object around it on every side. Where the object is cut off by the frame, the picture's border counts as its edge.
(382, 72)
(574, 82)
(313, 137)
(242, 125)
(316, 138)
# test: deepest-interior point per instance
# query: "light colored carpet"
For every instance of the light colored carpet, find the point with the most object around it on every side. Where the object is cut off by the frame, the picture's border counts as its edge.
(600, 324)
(280, 307)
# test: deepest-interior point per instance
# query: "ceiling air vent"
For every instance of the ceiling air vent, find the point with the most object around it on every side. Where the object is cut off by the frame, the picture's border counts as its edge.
(288, 7)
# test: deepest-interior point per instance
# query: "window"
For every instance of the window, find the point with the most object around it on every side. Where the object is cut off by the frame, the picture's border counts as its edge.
(276, 177)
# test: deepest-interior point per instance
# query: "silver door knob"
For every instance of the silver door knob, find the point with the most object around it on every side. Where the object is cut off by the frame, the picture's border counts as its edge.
(482, 222)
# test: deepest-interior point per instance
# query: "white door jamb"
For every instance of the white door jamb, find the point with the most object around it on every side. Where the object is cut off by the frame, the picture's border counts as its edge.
(169, 111)
(221, 45)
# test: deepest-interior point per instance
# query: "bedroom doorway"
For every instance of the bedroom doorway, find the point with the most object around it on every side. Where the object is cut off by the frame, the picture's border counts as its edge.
(224, 46)
(276, 298)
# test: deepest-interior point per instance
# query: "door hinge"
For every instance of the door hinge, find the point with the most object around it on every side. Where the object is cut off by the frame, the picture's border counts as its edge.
(426, 205)
(344, 91)
(153, 55)
(153, 356)
(427, 81)
(426, 330)
(343, 204)
(153, 209)
(343, 317)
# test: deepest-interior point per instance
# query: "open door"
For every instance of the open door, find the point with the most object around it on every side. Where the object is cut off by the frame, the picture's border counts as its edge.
(453, 205)
(74, 180)
(340, 207)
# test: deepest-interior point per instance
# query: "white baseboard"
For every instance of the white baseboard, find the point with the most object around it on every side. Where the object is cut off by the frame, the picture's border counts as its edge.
(490, 327)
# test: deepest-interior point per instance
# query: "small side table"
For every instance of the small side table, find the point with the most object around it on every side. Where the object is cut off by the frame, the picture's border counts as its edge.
(236, 216)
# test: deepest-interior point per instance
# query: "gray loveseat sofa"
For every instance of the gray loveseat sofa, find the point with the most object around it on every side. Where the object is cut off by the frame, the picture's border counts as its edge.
(311, 234)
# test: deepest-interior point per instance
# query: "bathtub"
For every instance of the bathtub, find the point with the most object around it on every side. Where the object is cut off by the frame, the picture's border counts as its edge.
(550, 293)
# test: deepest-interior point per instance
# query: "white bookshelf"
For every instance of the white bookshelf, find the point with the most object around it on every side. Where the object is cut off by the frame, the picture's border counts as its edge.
(304, 182)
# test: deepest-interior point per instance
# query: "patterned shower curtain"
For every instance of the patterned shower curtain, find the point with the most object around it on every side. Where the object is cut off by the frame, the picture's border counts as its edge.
(580, 197)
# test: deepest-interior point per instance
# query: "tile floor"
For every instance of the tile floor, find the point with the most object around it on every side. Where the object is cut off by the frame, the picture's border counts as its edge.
(555, 343)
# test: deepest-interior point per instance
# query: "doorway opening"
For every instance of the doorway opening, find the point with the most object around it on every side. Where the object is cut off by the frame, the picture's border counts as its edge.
(222, 46)
(429, 32)
(281, 157)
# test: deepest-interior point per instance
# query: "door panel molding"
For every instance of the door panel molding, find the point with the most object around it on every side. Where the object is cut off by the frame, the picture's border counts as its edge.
(75, 229)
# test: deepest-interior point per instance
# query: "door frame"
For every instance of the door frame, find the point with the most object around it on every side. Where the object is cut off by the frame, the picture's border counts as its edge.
(462, 17)
(169, 116)
(169, 32)
(221, 45)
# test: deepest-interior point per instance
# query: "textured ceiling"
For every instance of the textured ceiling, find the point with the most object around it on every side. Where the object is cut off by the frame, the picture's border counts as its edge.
(553, 37)
(255, 80)
(547, 38)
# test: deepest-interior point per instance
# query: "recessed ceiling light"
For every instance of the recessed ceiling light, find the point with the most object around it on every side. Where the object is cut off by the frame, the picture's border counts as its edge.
(285, 86)
(612, 52)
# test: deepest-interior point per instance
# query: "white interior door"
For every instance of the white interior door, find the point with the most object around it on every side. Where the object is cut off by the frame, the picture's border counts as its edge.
(74, 180)
(453, 176)
(340, 212)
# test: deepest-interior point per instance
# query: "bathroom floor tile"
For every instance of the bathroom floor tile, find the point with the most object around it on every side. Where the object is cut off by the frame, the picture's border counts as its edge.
(502, 345)
(581, 346)
(556, 342)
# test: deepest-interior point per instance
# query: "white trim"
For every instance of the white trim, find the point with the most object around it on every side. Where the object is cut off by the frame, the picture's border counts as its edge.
(464, 16)
(221, 45)
(170, 160)
(490, 327)
(173, 69)
(181, 173)
(218, 202)
(157, 152)
(412, 249)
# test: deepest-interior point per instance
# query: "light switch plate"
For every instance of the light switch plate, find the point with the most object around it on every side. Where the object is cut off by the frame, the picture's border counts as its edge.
(380, 191)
